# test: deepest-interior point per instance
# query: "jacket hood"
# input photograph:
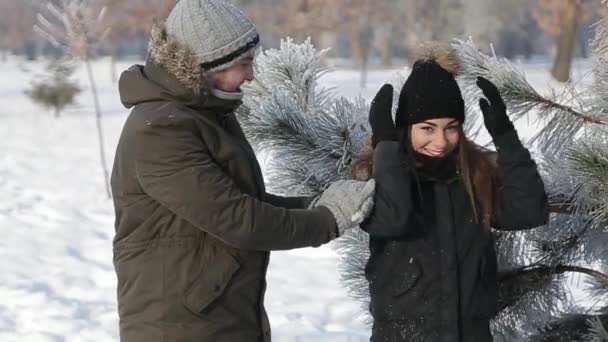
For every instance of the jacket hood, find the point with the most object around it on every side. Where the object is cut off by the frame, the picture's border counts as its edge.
(171, 72)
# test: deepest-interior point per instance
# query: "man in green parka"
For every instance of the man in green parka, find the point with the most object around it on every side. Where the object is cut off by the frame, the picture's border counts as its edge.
(194, 224)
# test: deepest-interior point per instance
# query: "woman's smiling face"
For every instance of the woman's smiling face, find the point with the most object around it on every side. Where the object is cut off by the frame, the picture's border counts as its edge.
(435, 138)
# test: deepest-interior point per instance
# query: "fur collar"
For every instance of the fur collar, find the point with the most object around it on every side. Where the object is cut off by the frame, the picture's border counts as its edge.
(178, 60)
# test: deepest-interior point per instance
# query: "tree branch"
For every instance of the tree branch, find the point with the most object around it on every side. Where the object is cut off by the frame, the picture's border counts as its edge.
(544, 270)
(585, 117)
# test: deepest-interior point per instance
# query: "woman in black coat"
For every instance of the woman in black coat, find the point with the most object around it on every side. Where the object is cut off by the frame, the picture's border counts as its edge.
(432, 267)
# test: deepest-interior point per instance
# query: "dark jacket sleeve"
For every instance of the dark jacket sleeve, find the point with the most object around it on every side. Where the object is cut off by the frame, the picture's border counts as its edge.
(393, 199)
(288, 202)
(174, 167)
(520, 201)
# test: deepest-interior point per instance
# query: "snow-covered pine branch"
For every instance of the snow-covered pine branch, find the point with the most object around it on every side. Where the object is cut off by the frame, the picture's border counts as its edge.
(565, 112)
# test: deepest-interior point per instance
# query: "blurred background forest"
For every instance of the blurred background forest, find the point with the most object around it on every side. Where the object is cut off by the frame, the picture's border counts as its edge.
(361, 33)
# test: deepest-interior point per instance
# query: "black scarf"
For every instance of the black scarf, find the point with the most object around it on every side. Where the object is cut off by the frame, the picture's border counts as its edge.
(434, 168)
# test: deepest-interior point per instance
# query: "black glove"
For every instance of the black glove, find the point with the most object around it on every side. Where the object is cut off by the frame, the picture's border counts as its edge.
(495, 112)
(380, 116)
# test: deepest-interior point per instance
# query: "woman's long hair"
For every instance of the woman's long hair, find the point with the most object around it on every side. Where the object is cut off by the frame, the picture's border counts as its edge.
(477, 167)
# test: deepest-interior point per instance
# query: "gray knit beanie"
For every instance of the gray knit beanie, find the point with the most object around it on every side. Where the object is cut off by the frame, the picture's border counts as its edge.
(216, 31)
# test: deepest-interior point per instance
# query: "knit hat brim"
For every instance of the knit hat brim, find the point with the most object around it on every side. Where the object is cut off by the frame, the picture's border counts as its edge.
(245, 51)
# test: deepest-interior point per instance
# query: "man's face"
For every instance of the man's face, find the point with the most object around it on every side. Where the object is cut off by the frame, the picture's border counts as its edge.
(230, 80)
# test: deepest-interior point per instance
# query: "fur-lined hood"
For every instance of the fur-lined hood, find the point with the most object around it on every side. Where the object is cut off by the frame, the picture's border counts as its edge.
(172, 72)
(178, 60)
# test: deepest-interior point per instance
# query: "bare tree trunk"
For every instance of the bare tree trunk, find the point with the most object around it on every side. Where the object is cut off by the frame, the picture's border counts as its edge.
(528, 48)
(435, 22)
(328, 39)
(366, 43)
(581, 41)
(565, 42)
(356, 47)
(113, 65)
(364, 68)
(99, 127)
(385, 45)
(410, 11)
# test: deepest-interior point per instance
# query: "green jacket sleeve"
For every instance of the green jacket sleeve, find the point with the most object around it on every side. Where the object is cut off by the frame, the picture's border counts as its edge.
(288, 202)
(174, 167)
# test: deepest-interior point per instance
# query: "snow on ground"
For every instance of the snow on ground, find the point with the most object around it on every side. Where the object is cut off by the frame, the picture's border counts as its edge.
(56, 224)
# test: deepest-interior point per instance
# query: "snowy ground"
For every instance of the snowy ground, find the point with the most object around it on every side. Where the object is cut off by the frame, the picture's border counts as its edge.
(56, 225)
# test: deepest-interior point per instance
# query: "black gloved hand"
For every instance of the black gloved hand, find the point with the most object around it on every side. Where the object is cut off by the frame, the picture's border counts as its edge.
(380, 116)
(495, 112)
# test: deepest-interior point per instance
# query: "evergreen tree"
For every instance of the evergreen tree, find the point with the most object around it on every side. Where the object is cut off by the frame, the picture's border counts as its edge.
(55, 90)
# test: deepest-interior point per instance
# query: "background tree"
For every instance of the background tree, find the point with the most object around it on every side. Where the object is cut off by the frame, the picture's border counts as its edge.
(55, 90)
(560, 19)
(77, 26)
(17, 20)
(437, 20)
(360, 32)
(355, 19)
(131, 22)
(483, 21)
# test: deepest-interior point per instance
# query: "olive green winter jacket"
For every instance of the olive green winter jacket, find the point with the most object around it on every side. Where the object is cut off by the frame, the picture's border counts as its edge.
(194, 223)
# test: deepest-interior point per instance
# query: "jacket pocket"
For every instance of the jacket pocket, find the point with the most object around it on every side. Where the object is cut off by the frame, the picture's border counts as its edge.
(210, 283)
(408, 279)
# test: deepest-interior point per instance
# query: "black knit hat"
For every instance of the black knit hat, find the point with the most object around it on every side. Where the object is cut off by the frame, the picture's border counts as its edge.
(431, 92)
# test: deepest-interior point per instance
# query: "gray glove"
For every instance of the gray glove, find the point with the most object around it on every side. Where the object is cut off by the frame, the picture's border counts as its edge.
(350, 201)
